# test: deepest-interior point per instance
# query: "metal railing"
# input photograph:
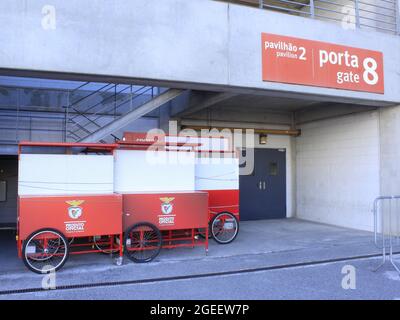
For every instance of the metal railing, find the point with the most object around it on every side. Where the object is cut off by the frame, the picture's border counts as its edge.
(67, 115)
(386, 210)
(381, 15)
(87, 113)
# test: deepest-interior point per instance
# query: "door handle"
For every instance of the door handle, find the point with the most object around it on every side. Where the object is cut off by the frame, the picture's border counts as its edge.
(260, 185)
(264, 185)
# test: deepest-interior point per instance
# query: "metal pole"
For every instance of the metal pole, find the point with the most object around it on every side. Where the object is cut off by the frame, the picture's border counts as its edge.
(312, 9)
(115, 101)
(67, 115)
(17, 122)
(386, 227)
(261, 4)
(375, 211)
(397, 221)
(357, 13)
(130, 102)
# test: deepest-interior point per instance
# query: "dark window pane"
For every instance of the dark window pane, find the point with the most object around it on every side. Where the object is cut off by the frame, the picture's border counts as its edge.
(3, 191)
(273, 169)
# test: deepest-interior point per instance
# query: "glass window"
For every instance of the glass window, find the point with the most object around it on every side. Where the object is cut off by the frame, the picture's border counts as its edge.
(273, 169)
(3, 191)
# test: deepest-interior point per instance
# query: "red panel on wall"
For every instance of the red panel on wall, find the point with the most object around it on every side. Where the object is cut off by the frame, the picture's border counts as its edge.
(315, 63)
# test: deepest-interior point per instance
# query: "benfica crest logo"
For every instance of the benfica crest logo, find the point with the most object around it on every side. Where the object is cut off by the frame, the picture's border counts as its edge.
(75, 211)
(167, 206)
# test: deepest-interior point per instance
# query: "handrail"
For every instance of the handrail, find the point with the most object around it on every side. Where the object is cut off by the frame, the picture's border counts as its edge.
(388, 9)
(79, 87)
(77, 123)
(92, 93)
(98, 103)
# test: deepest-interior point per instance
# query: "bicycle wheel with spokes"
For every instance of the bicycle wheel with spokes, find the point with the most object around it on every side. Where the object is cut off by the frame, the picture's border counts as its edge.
(224, 227)
(142, 242)
(45, 250)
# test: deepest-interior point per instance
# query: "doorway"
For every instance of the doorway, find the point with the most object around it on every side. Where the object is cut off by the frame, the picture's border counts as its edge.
(263, 192)
(8, 191)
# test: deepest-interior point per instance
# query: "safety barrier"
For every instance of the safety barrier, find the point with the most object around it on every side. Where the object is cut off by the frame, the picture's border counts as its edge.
(381, 15)
(386, 211)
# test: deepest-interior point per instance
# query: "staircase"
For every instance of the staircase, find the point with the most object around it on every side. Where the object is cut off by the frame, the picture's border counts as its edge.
(93, 106)
(71, 112)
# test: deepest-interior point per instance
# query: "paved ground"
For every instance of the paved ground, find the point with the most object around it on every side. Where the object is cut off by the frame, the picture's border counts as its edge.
(259, 244)
(310, 282)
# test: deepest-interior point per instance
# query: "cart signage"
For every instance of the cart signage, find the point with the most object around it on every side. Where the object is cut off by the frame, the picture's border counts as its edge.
(75, 226)
(166, 220)
(166, 208)
(74, 211)
(315, 63)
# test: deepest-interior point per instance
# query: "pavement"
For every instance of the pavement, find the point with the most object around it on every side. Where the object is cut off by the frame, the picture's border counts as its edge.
(314, 282)
(274, 244)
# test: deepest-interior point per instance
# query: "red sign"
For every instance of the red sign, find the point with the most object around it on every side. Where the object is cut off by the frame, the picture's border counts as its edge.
(322, 64)
(144, 138)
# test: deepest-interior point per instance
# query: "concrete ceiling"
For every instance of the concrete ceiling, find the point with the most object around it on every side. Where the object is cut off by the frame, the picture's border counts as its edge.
(265, 102)
(252, 108)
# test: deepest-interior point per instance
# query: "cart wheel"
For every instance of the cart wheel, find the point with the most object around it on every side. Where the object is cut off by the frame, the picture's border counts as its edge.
(224, 227)
(202, 232)
(142, 242)
(45, 250)
(103, 245)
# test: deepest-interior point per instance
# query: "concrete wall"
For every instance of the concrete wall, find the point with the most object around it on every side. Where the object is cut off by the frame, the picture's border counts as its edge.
(344, 163)
(390, 151)
(338, 170)
(200, 43)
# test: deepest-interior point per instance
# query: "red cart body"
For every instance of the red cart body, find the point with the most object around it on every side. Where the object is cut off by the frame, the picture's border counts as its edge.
(178, 215)
(74, 216)
(224, 200)
(167, 211)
